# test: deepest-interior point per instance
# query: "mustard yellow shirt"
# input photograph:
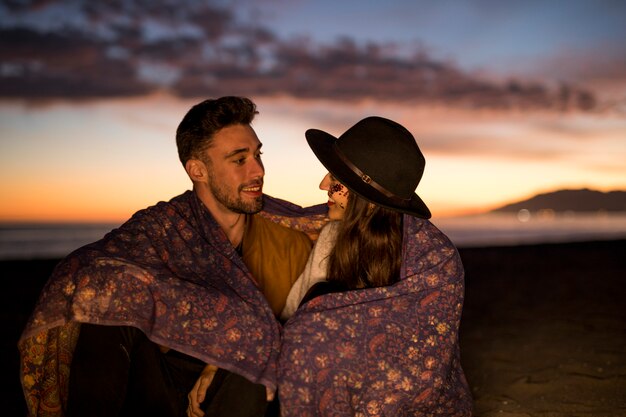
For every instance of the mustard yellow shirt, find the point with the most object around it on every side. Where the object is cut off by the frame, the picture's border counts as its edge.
(275, 255)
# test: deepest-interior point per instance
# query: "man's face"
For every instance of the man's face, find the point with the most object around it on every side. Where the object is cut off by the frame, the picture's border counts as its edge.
(235, 169)
(337, 196)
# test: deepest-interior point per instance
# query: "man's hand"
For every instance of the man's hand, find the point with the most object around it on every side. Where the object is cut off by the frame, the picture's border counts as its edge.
(269, 394)
(198, 392)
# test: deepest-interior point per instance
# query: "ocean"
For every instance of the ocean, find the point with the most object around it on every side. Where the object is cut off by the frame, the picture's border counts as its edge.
(56, 240)
(510, 229)
(47, 240)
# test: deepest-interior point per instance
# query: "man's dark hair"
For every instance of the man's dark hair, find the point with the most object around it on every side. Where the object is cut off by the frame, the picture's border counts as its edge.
(195, 132)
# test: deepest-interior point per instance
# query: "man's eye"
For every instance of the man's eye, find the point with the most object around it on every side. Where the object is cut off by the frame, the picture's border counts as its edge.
(258, 156)
(240, 161)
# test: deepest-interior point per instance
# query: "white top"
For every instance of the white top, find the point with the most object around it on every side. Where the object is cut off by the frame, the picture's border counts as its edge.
(314, 271)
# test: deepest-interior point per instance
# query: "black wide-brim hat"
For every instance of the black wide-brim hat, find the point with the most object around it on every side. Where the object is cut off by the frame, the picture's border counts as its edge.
(378, 159)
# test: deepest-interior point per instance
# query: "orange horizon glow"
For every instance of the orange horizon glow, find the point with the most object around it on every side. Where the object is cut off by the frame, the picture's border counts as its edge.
(83, 211)
(102, 161)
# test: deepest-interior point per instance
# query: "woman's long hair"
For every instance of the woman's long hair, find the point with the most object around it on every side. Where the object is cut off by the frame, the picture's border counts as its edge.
(368, 250)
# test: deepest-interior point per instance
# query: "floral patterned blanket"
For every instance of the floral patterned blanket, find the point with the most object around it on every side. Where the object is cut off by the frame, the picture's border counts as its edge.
(390, 351)
(171, 272)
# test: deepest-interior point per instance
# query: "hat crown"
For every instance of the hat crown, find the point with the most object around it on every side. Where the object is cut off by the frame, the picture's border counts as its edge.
(378, 160)
(386, 152)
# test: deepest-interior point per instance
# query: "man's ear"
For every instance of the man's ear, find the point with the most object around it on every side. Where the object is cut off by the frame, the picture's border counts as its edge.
(196, 170)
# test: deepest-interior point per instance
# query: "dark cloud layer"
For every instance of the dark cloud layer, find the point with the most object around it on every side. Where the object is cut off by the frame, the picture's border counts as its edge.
(130, 48)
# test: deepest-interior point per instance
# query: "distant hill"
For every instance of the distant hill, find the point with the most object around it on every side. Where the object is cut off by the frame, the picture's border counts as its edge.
(571, 200)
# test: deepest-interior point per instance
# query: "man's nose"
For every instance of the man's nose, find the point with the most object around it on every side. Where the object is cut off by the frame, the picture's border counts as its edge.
(257, 169)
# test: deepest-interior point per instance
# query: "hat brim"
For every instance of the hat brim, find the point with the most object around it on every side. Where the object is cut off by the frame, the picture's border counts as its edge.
(321, 144)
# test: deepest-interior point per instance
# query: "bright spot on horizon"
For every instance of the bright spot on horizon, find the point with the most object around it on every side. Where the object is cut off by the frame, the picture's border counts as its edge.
(523, 215)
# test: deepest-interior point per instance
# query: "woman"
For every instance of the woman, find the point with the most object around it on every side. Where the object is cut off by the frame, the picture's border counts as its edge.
(317, 264)
(380, 337)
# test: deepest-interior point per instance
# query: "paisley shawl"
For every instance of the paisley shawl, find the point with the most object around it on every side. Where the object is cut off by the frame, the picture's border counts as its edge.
(171, 272)
(390, 351)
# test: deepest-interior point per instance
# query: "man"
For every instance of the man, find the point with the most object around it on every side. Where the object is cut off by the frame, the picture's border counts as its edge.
(182, 295)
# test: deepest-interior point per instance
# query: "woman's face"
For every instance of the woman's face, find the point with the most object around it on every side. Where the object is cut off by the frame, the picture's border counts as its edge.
(337, 196)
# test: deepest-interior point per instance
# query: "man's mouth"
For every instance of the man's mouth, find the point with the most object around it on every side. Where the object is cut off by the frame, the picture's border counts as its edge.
(256, 188)
(252, 189)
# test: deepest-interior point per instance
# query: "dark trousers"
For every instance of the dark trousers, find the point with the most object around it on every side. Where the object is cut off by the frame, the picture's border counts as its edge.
(118, 371)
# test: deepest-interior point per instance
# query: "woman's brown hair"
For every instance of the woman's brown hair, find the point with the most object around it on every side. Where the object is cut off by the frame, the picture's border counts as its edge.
(368, 249)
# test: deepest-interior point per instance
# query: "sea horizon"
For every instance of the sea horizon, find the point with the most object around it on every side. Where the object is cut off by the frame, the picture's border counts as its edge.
(46, 240)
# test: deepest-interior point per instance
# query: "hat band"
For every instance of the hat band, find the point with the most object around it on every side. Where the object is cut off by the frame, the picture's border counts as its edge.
(366, 178)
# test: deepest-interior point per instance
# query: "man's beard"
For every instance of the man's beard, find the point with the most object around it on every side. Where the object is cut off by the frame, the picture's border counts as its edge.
(235, 204)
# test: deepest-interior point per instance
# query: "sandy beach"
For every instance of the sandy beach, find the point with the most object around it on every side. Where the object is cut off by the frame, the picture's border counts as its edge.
(543, 330)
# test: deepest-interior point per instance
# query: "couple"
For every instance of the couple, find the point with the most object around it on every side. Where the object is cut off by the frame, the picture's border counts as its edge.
(175, 312)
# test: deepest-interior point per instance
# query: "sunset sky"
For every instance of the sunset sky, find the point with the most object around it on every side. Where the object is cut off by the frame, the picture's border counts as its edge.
(505, 98)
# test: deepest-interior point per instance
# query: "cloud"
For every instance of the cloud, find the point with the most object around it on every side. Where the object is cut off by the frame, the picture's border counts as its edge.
(603, 69)
(192, 49)
(64, 65)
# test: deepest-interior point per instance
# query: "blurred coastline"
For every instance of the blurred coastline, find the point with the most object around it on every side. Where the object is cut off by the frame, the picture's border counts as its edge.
(56, 240)
(524, 227)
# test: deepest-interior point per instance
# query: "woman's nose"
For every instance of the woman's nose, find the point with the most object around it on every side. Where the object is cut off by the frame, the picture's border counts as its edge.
(325, 184)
